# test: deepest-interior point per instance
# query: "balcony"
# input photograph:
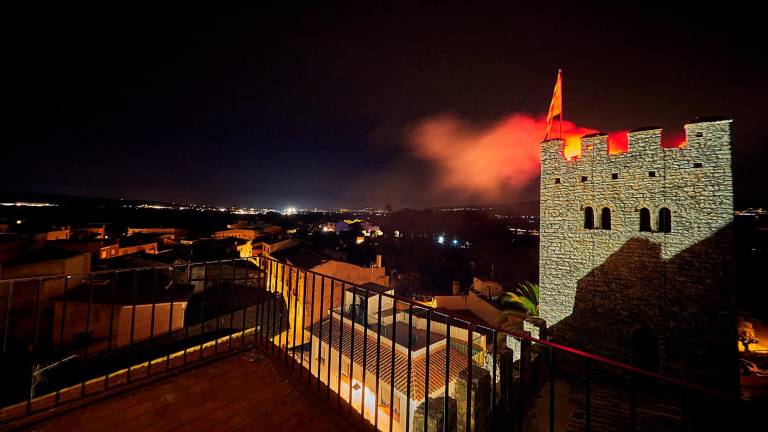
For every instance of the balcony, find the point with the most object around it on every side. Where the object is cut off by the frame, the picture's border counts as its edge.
(217, 396)
(169, 348)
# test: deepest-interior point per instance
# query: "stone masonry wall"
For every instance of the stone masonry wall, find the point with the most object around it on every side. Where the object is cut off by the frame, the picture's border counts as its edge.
(607, 290)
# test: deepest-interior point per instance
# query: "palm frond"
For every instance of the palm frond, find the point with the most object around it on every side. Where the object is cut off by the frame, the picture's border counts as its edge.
(519, 302)
(525, 298)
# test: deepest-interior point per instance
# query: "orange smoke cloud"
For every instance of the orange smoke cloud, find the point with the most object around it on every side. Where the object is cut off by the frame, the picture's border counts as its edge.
(484, 161)
(494, 161)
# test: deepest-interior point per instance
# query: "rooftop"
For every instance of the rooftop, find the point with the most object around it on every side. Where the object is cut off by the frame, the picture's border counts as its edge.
(457, 359)
(215, 396)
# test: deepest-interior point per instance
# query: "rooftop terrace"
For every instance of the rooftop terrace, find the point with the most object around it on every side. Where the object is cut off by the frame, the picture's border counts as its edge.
(217, 396)
(197, 373)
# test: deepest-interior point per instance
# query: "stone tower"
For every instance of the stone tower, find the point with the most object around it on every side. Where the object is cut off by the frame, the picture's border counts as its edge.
(636, 251)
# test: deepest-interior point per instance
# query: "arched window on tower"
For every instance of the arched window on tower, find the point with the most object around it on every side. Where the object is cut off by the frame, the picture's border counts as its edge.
(605, 218)
(645, 220)
(589, 218)
(665, 220)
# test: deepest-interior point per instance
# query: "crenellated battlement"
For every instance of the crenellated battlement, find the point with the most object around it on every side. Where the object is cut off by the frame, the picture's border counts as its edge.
(701, 135)
(638, 243)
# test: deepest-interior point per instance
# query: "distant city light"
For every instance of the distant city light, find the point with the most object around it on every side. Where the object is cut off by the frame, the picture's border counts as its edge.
(27, 204)
(441, 239)
(153, 206)
(289, 211)
(455, 242)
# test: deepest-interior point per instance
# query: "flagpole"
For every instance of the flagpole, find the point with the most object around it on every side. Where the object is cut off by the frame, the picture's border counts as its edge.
(560, 71)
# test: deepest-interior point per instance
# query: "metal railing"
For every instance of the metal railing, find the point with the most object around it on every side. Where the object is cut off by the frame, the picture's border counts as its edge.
(400, 365)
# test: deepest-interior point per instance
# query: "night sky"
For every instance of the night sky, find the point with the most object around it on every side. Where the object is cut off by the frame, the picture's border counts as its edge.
(315, 105)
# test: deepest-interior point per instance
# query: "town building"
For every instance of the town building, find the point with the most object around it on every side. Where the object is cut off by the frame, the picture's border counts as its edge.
(244, 234)
(345, 347)
(172, 233)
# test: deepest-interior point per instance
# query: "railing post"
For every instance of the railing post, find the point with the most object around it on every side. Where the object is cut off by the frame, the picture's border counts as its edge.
(367, 293)
(133, 322)
(202, 307)
(494, 338)
(470, 365)
(392, 366)
(632, 404)
(172, 270)
(33, 354)
(330, 343)
(446, 426)
(232, 291)
(304, 326)
(245, 293)
(7, 316)
(311, 328)
(378, 363)
(217, 310)
(61, 330)
(152, 319)
(426, 372)
(588, 397)
(295, 313)
(87, 344)
(352, 345)
(551, 359)
(521, 400)
(262, 296)
(111, 328)
(409, 367)
(341, 342)
(320, 336)
(274, 306)
(188, 298)
(284, 314)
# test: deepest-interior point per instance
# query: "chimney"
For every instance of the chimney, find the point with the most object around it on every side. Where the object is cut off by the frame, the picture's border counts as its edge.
(456, 288)
(378, 261)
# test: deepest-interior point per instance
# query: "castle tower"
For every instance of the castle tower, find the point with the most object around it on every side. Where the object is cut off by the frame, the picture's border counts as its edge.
(635, 253)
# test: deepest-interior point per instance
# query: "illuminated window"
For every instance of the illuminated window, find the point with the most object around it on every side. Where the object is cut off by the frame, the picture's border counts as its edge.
(645, 220)
(665, 220)
(605, 218)
(589, 218)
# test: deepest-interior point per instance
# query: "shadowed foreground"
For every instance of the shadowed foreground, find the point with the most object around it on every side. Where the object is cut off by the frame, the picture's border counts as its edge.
(233, 394)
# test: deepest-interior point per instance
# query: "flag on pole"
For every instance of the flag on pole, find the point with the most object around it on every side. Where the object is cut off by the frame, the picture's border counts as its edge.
(556, 106)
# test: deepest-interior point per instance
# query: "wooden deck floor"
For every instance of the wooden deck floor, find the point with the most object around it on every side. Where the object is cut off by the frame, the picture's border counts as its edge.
(233, 394)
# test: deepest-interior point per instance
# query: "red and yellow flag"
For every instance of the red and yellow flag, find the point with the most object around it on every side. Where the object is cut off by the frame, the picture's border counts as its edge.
(556, 106)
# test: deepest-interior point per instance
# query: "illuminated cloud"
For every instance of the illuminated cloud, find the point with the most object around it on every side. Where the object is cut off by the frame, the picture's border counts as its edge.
(491, 162)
